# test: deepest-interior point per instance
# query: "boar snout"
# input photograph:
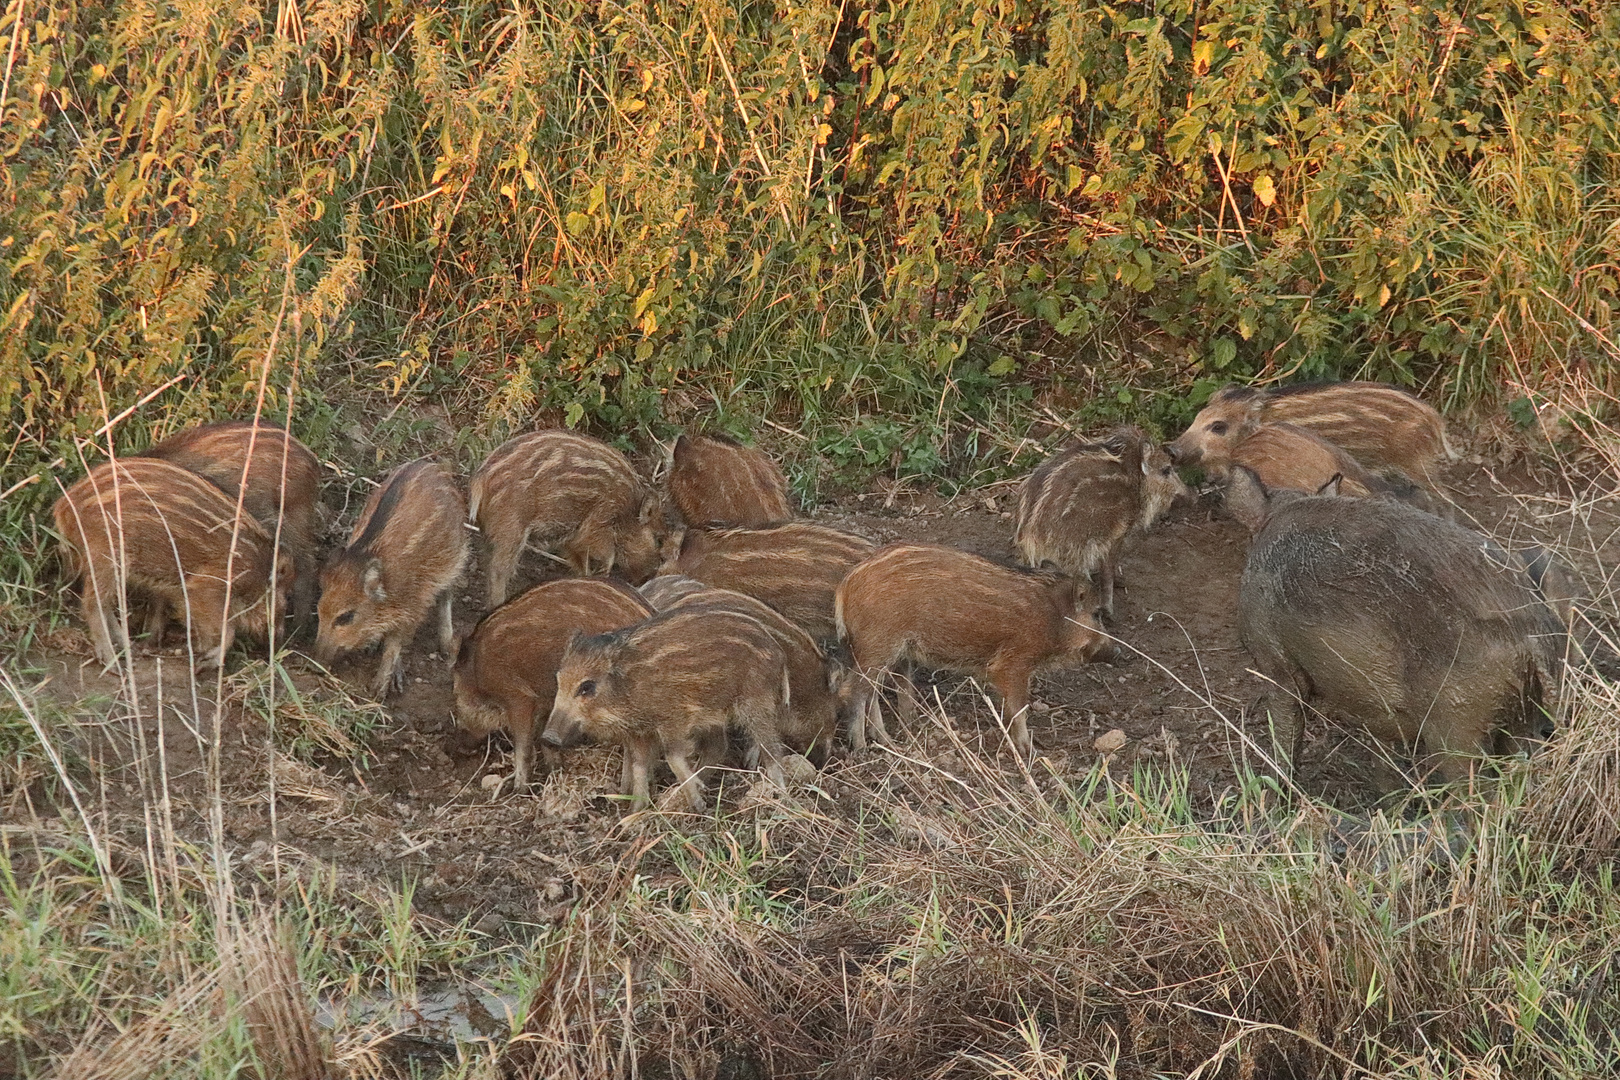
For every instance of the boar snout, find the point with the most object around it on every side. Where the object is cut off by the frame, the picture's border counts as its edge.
(563, 730)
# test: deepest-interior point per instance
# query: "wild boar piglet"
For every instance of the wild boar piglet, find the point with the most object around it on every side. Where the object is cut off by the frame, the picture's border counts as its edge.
(147, 527)
(948, 608)
(406, 552)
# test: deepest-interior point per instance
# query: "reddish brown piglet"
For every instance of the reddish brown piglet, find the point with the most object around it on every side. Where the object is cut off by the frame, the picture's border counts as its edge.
(1284, 457)
(714, 480)
(948, 608)
(794, 567)
(282, 487)
(813, 712)
(569, 492)
(406, 551)
(1381, 427)
(506, 671)
(1083, 504)
(142, 526)
(672, 686)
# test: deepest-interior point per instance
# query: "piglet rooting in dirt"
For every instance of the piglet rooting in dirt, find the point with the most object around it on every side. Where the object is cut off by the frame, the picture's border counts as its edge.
(672, 686)
(505, 675)
(282, 490)
(1083, 504)
(948, 608)
(1284, 457)
(569, 492)
(406, 551)
(794, 567)
(147, 527)
(1378, 614)
(1381, 427)
(715, 480)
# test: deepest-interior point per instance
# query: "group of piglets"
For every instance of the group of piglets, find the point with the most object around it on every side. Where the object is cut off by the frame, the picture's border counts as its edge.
(761, 639)
(752, 635)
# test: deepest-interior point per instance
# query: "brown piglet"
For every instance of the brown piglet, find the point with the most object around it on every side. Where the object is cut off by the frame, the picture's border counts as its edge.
(1285, 457)
(714, 480)
(948, 608)
(505, 675)
(406, 551)
(813, 712)
(1081, 506)
(794, 567)
(565, 491)
(1382, 427)
(145, 526)
(672, 686)
(282, 489)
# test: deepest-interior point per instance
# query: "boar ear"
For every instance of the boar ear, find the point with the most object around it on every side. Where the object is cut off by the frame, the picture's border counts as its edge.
(371, 580)
(1332, 486)
(649, 508)
(1246, 498)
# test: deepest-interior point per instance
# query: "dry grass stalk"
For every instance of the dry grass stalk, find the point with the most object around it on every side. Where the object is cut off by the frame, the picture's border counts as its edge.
(260, 968)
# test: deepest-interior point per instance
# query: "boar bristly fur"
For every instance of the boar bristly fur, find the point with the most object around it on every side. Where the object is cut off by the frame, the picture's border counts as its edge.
(1416, 629)
(505, 676)
(149, 527)
(282, 490)
(716, 481)
(1083, 504)
(1282, 455)
(672, 686)
(406, 551)
(794, 567)
(664, 591)
(948, 608)
(567, 492)
(812, 719)
(1382, 427)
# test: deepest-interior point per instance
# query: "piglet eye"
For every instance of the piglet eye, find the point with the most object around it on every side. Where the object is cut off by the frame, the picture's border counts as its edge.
(1218, 427)
(586, 688)
(344, 619)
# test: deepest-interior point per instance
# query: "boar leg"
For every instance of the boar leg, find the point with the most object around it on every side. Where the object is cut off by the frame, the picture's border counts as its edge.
(157, 621)
(677, 753)
(1105, 589)
(447, 627)
(520, 725)
(504, 552)
(303, 595)
(637, 766)
(906, 702)
(390, 675)
(102, 633)
(1013, 682)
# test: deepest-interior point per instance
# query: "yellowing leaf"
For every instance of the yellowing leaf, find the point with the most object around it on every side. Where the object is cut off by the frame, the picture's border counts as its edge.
(1383, 295)
(1264, 189)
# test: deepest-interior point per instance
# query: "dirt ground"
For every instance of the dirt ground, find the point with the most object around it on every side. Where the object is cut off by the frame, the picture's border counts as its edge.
(421, 808)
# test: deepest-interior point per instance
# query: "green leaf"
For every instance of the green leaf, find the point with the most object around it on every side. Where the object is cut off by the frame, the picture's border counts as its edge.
(1002, 365)
(573, 414)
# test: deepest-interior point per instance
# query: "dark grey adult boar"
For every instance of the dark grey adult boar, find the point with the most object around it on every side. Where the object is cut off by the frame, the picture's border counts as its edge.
(1378, 614)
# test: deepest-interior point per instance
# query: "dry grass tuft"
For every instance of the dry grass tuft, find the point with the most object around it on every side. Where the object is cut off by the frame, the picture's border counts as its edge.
(260, 969)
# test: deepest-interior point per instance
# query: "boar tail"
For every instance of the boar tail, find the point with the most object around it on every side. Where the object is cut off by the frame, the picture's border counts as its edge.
(838, 616)
(1452, 453)
(787, 691)
(475, 496)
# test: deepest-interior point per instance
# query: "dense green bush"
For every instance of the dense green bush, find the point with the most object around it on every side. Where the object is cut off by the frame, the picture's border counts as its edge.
(879, 213)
